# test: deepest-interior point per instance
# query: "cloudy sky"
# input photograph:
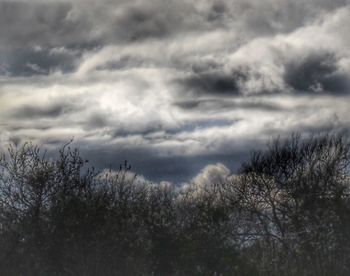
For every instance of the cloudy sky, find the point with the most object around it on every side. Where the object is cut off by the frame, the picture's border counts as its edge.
(172, 86)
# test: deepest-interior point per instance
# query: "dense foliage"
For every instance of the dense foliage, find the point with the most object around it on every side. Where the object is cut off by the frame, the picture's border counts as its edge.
(286, 212)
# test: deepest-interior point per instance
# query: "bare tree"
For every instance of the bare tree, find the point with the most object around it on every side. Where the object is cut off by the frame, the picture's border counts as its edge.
(286, 212)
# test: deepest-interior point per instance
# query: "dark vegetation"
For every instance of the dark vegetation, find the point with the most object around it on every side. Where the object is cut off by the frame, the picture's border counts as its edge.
(287, 212)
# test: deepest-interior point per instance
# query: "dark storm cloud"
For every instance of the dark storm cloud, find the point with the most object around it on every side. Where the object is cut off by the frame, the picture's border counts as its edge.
(29, 112)
(217, 11)
(317, 72)
(222, 104)
(214, 82)
(39, 38)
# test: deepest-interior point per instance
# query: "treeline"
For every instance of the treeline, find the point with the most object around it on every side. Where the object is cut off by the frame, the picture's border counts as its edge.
(286, 212)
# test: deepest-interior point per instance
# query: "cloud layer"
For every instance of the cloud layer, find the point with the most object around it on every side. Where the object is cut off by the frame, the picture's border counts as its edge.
(172, 85)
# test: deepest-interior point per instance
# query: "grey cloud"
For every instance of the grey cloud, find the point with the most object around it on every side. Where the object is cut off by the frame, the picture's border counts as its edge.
(19, 61)
(144, 131)
(86, 24)
(96, 121)
(170, 85)
(45, 24)
(159, 132)
(266, 18)
(137, 23)
(140, 20)
(201, 125)
(317, 72)
(124, 62)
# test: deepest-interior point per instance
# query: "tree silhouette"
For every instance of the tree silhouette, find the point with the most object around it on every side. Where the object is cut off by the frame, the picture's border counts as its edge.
(285, 213)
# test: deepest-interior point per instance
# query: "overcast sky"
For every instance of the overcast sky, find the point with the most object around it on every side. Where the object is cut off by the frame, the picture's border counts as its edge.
(172, 86)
